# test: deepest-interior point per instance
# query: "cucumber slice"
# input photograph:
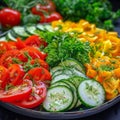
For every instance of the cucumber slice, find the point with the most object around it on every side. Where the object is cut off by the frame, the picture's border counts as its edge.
(54, 69)
(59, 77)
(40, 27)
(91, 93)
(76, 80)
(3, 38)
(70, 86)
(31, 30)
(72, 63)
(60, 83)
(74, 89)
(10, 36)
(48, 28)
(20, 31)
(59, 98)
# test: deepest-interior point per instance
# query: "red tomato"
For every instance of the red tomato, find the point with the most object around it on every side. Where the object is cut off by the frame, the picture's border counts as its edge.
(17, 93)
(7, 59)
(20, 44)
(38, 74)
(35, 41)
(9, 17)
(36, 98)
(47, 6)
(39, 62)
(4, 76)
(12, 45)
(53, 17)
(35, 52)
(3, 48)
(16, 74)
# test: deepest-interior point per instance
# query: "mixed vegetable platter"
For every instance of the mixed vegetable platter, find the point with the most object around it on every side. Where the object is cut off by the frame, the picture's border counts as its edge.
(59, 66)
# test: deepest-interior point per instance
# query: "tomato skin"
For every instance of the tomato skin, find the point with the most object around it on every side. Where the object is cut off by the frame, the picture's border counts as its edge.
(20, 44)
(3, 48)
(35, 52)
(35, 41)
(39, 9)
(53, 17)
(36, 98)
(4, 77)
(16, 74)
(17, 93)
(40, 62)
(9, 17)
(38, 74)
(7, 59)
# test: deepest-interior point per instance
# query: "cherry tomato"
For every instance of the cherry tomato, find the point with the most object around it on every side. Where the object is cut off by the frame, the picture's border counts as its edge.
(4, 76)
(35, 41)
(7, 59)
(3, 48)
(53, 17)
(41, 9)
(17, 93)
(39, 62)
(38, 74)
(36, 98)
(16, 74)
(9, 17)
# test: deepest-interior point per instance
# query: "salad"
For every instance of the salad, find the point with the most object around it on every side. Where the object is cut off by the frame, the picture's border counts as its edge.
(54, 64)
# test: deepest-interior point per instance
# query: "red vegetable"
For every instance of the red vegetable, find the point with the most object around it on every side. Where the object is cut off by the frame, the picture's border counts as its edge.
(16, 74)
(38, 74)
(36, 98)
(4, 77)
(9, 17)
(17, 93)
(53, 17)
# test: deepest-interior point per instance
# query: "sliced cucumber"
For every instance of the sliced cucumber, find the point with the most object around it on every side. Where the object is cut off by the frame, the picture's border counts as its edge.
(20, 31)
(59, 77)
(73, 64)
(48, 28)
(91, 93)
(40, 27)
(76, 80)
(74, 89)
(3, 38)
(31, 30)
(59, 98)
(10, 36)
(60, 83)
(65, 74)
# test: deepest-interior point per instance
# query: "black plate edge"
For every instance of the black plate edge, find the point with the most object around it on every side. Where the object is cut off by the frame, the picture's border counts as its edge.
(60, 115)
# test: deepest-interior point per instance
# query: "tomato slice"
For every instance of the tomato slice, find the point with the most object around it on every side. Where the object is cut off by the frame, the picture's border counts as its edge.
(38, 74)
(17, 93)
(4, 77)
(35, 41)
(16, 74)
(39, 62)
(7, 59)
(3, 48)
(20, 44)
(36, 98)
(34, 52)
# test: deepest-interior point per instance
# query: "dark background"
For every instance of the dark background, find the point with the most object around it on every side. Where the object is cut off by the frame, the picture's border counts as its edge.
(112, 113)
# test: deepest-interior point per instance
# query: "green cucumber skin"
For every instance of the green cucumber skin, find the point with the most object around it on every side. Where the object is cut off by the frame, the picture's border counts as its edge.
(84, 103)
(67, 108)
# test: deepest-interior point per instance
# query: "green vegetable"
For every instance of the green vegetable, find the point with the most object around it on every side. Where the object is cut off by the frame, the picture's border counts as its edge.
(24, 6)
(98, 12)
(62, 46)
